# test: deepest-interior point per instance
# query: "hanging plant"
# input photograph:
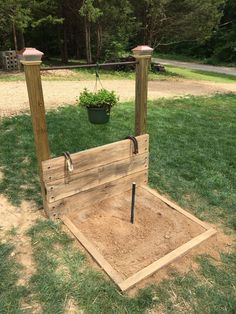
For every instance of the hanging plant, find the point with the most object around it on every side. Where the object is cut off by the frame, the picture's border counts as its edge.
(98, 104)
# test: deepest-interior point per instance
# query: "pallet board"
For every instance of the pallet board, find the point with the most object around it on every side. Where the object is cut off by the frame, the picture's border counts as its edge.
(97, 172)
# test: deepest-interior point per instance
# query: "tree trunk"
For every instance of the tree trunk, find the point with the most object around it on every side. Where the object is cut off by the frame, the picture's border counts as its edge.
(14, 35)
(88, 40)
(65, 46)
(99, 41)
(20, 39)
(62, 40)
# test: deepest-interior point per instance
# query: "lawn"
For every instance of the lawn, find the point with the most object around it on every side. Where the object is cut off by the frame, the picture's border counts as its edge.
(172, 73)
(184, 58)
(192, 159)
(199, 75)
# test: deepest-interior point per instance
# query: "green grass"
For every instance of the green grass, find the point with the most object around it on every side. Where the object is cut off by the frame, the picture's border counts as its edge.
(192, 159)
(11, 294)
(85, 74)
(63, 274)
(211, 290)
(200, 75)
(179, 57)
(172, 73)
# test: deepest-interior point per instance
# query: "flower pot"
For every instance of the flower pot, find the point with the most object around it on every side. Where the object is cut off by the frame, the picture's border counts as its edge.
(98, 115)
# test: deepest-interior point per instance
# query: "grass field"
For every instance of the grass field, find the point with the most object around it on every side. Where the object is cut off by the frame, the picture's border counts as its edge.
(179, 57)
(192, 159)
(172, 73)
(200, 75)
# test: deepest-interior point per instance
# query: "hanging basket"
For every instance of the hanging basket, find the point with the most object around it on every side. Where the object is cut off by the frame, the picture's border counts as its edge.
(98, 115)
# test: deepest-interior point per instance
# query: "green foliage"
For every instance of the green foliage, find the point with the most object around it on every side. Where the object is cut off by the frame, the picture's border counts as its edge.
(102, 98)
(108, 29)
(220, 46)
(224, 39)
(89, 11)
(13, 13)
(169, 21)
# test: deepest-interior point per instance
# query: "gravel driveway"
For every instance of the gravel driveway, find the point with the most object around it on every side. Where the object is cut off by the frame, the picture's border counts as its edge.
(198, 66)
(14, 99)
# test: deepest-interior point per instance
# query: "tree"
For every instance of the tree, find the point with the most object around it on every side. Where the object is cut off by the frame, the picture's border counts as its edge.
(116, 27)
(15, 16)
(223, 40)
(90, 14)
(166, 22)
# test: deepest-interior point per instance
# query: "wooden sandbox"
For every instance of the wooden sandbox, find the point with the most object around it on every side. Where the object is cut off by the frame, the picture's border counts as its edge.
(93, 200)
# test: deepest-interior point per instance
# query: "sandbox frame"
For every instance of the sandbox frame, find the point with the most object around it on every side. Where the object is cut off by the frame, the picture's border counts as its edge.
(125, 284)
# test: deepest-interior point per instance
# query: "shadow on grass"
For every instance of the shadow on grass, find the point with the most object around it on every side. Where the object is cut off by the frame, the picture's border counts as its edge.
(192, 154)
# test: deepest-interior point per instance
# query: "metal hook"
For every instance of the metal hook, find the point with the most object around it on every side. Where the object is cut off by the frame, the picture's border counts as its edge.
(68, 161)
(135, 142)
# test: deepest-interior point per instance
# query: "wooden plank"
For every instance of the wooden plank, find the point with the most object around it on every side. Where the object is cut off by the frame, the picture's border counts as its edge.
(111, 272)
(54, 169)
(176, 207)
(36, 101)
(165, 260)
(141, 90)
(80, 200)
(91, 178)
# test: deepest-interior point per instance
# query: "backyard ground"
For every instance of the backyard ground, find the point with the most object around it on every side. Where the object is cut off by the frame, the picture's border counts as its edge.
(192, 162)
(64, 86)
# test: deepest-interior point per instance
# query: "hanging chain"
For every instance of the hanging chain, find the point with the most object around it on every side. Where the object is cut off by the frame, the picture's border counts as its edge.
(97, 78)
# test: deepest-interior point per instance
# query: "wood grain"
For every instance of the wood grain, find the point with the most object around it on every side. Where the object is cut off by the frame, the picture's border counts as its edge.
(37, 108)
(54, 169)
(141, 90)
(86, 198)
(88, 179)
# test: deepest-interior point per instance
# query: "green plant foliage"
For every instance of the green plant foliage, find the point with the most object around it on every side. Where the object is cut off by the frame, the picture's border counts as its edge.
(100, 99)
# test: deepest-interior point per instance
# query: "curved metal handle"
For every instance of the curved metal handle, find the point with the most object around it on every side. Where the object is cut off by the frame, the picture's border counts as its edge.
(135, 142)
(68, 161)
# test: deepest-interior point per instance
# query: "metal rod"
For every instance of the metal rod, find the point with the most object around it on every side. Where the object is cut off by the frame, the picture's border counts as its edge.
(87, 66)
(133, 202)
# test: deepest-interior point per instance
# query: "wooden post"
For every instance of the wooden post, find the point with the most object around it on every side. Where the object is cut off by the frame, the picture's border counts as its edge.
(143, 55)
(31, 59)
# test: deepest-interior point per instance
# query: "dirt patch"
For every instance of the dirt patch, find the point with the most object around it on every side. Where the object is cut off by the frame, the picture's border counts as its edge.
(129, 248)
(58, 73)
(14, 98)
(15, 221)
(158, 230)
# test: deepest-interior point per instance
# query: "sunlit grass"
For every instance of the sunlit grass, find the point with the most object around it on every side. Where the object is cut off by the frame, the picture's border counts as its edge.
(199, 75)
